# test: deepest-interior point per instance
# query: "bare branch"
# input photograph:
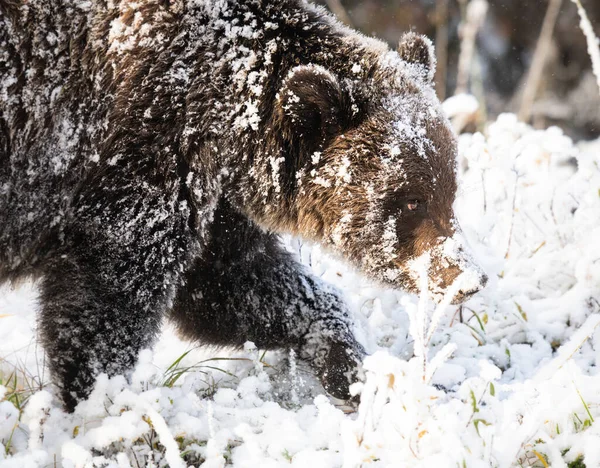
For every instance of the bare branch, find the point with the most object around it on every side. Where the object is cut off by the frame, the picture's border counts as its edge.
(539, 60)
(474, 17)
(441, 46)
(592, 41)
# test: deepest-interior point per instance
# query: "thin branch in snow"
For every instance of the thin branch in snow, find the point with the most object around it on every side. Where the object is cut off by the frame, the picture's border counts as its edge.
(424, 296)
(539, 60)
(418, 317)
(441, 46)
(172, 454)
(422, 329)
(440, 358)
(512, 215)
(567, 350)
(474, 18)
(443, 305)
(592, 41)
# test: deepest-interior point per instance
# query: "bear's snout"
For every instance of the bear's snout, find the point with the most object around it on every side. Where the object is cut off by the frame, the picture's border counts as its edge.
(454, 271)
(465, 293)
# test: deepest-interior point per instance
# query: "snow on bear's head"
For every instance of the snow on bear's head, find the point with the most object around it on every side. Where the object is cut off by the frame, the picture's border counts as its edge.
(376, 169)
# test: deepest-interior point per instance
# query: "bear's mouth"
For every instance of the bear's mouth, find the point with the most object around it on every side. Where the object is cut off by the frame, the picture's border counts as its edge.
(464, 295)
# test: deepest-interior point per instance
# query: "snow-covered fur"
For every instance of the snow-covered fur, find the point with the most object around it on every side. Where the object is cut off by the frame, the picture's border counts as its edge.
(150, 152)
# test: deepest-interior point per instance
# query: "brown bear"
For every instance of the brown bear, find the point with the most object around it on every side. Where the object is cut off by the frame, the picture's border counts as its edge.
(151, 152)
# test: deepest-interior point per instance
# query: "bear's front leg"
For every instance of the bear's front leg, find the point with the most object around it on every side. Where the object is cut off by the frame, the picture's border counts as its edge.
(104, 292)
(247, 287)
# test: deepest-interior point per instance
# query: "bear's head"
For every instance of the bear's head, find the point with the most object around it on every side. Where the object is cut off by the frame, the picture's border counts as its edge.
(376, 169)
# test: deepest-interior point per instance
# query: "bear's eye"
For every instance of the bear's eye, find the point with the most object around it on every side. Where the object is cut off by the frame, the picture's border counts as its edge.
(414, 205)
(405, 205)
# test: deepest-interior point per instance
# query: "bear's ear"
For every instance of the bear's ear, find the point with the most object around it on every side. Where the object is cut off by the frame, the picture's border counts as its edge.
(418, 49)
(310, 108)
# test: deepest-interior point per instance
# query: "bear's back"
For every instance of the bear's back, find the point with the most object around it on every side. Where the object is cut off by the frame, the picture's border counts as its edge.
(82, 84)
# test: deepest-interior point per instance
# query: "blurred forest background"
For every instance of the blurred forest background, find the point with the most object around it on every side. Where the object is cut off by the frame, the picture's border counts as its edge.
(524, 56)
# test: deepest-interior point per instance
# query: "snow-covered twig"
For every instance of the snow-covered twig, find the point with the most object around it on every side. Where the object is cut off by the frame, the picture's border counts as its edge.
(592, 41)
(475, 15)
(569, 349)
(172, 454)
(419, 328)
(423, 266)
(440, 358)
(442, 306)
(539, 60)
(418, 318)
(512, 215)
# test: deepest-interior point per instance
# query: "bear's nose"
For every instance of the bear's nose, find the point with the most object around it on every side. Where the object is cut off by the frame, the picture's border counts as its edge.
(483, 280)
(464, 294)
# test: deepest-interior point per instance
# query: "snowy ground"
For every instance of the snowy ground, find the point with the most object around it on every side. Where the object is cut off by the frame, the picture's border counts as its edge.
(520, 388)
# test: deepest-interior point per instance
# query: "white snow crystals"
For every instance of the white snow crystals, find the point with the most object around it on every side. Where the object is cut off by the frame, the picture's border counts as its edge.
(249, 118)
(410, 126)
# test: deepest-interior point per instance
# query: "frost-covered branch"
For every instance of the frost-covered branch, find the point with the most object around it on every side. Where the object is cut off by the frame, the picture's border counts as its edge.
(567, 350)
(418, 315)
(443, 305)
(474, 18)
(592, 41)
(422, 329)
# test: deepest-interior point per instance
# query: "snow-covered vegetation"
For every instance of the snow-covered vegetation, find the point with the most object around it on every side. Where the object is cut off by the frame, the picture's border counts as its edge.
(510, 378)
